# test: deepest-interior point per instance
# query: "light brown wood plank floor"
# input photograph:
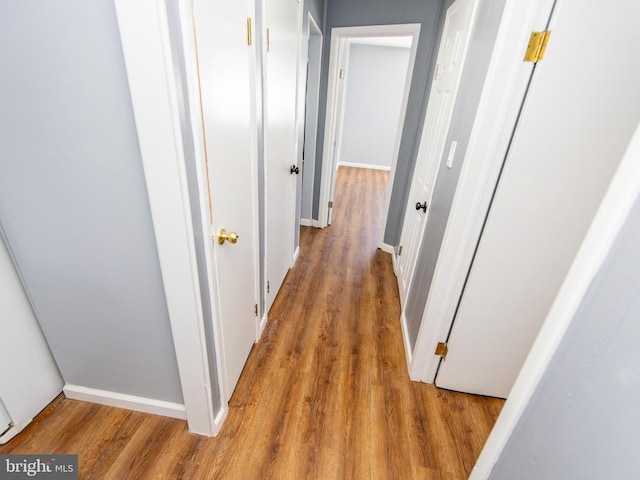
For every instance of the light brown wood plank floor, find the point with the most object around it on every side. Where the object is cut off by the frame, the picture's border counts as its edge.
(325, 394)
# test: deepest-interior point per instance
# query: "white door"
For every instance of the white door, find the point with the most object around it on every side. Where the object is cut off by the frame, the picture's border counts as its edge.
(29, 377)
(5, 420)
(282, 44)
(451, 57)
(575, 124)
(228, 99)
(311, 121)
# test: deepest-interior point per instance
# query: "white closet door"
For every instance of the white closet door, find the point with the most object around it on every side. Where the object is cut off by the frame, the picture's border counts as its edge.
(29, 377)
(576, 123)
(5, 421)
(281, 64)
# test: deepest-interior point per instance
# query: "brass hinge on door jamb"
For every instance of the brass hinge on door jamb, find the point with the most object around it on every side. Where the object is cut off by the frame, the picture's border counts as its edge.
(268, 287)
(330, 204)
(255, 309)
(400, 250)
(248, 31)
(342, 73)
(442, 349)
(537, 46)
(268, 40)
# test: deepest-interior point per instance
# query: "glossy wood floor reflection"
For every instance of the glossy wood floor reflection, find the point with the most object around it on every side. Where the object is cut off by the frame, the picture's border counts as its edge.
(324, 395)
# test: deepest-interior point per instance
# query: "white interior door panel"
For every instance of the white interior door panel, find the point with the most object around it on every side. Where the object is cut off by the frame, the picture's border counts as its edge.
(228, 101)
(576, 122)
(450, 63)
(281, 69)
(29, 377)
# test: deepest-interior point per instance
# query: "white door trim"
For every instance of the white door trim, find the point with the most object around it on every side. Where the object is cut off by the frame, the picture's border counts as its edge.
(614, 210)
(337, 60)
(147, 53)
(504, 89)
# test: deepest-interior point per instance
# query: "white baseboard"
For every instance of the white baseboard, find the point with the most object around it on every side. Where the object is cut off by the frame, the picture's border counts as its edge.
(405, 337)
(394, 262)
(296, 254)
(263, 323)
(220, 418)
(121, 400)
(385, 247)
(14, 430)
(309, 222)
(364, 165)
(390, 249)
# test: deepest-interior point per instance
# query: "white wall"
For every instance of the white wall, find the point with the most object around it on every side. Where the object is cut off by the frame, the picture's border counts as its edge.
(376, 77)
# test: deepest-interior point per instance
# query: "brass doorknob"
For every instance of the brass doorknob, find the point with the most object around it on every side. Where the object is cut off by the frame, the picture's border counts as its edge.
(223, 235)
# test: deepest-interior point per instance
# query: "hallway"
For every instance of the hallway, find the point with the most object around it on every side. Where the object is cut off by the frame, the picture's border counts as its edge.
(325, 394)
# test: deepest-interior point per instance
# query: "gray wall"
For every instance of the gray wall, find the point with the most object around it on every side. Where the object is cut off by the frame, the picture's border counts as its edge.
(73, 202)
(345, 13)
(582, 421)
(375, 88)
(475, 69)
(317, 10)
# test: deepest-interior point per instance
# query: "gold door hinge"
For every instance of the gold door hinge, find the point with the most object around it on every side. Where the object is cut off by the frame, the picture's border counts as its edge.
(537, 46)
(268, 287)
(330, 204)
(248, 31)
(268, 40)
(400, 250)
(255, 309)
(442, 349)
(342, 73)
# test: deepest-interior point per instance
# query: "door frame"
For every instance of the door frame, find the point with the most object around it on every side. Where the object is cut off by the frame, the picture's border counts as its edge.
(338, 55)
(149, 63)
(144, 34)
(504, 90)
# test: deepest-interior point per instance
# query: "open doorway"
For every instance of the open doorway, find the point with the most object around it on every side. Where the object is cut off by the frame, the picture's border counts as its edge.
(312, 100)
(359, 89)
(374, 88)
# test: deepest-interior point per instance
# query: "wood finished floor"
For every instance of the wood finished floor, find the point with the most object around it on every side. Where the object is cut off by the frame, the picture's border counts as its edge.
(325, 394)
